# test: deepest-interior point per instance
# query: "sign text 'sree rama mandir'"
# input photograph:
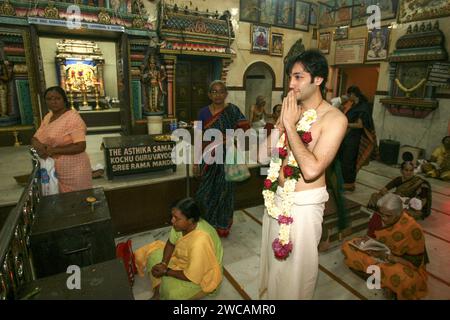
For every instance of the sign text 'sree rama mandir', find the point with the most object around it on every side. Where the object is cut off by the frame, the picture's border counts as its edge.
(142, 157)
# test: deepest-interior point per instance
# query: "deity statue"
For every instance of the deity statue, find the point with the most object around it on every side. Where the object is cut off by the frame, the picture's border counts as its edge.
(137, 7)
(153, 77)
(5, 76)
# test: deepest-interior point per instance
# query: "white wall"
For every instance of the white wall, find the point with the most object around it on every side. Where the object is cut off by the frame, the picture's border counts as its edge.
(422, 133)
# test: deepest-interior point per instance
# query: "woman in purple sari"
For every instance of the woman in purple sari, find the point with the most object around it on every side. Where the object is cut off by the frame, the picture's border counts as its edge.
(215, 194)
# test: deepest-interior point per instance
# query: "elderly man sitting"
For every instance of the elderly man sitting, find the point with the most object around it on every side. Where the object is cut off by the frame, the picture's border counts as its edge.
(403, 273)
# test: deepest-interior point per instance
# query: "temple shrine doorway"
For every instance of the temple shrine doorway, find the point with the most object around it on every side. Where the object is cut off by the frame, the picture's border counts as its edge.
(193, 77)
(365, 77)
(259, 79)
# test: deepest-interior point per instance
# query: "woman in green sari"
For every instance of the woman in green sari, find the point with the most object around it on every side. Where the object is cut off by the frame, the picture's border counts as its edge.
(415, 192)
(189, 264)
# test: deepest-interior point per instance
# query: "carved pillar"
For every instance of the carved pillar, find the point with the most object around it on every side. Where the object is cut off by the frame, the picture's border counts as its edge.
(170, 63)
(225, 64)
(392, 72)
(62, 74)
(100, 75)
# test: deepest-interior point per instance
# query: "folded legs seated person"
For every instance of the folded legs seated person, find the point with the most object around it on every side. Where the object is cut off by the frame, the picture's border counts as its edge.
(439, 164)
(412, 189)
(403, 273)
(189, 264)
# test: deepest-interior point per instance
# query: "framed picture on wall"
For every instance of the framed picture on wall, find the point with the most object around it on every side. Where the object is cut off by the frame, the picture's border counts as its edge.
(415, 10)
(276, 44)
(314, 14)
(377, 44)
(344, 14)
(268, 11)
(325, 42)
(260, 37)
(341, 33)
(350, 51)
(249, 10)
(326, 14)
(285, 13)
(388, 10)
(314, 35)
(359, 12)
(302, 12)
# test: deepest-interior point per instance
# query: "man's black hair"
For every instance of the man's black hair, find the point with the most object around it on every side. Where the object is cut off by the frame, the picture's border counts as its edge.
(314, 63)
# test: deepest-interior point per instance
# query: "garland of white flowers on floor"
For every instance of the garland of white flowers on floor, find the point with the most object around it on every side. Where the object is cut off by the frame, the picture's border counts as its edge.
(282, 246)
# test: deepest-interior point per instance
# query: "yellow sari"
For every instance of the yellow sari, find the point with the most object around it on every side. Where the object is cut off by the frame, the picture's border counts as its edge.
(198, 254)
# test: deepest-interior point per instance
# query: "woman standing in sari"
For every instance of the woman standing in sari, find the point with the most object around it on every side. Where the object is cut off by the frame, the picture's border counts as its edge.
(215, 194)
(360, 142)
(62, 136)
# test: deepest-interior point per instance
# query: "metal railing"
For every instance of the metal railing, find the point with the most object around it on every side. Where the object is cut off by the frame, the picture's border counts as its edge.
(15, 260)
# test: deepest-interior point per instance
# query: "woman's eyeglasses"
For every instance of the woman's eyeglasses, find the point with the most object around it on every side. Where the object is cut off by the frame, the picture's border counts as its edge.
(216, 93)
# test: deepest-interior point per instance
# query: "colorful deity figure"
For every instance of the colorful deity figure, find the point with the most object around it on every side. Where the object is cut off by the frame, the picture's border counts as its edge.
(153, 77)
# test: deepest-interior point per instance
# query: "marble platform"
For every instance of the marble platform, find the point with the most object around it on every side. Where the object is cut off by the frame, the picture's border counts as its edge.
(241, 248)
(335, 281)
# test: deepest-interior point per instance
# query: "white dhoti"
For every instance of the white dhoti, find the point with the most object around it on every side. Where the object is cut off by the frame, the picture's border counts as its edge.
(295, 277)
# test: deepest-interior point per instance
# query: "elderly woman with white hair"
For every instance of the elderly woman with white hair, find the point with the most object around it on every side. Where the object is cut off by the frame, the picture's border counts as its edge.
(403, 273)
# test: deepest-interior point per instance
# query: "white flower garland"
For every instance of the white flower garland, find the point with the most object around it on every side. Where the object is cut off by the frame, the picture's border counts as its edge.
(304, 125)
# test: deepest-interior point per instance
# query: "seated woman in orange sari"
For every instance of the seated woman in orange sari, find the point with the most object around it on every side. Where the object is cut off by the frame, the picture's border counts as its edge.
(414, 191)
(62, 136)
(403, 272)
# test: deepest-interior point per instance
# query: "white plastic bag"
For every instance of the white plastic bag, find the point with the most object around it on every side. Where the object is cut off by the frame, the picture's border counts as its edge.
(234, 170)
(49, 180)
(415, 203)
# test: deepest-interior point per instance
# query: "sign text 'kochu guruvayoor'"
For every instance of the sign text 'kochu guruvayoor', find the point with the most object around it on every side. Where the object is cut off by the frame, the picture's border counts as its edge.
(122, 157)
(140, 157)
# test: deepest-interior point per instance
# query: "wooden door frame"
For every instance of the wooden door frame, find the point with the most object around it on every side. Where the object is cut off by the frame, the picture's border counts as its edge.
(215, 63)
(337, 69)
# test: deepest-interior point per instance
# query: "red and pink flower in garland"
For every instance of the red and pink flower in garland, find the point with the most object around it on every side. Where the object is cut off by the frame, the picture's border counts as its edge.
(285, 220)
(282, 153)
(305, 136)
(288, 171)
(281, 251)
(267, 184)
(282, 246)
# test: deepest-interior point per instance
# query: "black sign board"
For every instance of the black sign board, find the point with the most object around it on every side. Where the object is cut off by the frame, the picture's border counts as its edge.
(137, 154)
